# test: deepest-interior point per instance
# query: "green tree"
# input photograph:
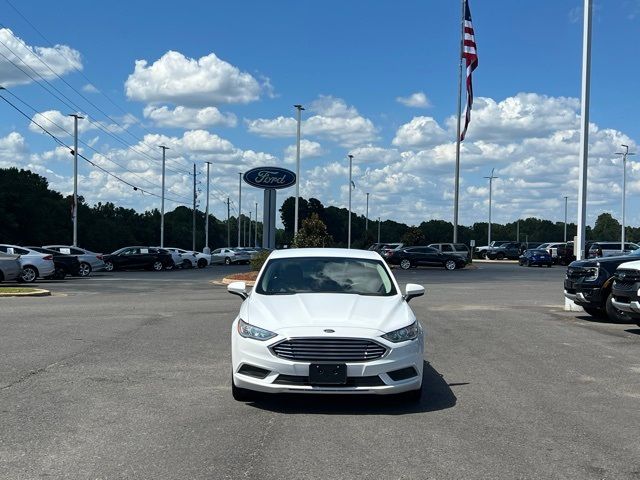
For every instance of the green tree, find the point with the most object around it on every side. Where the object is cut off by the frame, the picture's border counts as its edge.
(606, 228)
(413, 236)
(313, 233)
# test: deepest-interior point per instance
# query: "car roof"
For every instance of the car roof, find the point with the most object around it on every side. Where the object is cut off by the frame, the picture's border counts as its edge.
(325, 252)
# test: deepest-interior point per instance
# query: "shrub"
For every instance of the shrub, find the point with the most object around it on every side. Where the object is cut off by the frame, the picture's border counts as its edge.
(259, 259)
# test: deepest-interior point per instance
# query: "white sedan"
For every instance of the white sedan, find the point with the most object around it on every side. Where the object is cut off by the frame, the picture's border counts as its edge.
(326, 321)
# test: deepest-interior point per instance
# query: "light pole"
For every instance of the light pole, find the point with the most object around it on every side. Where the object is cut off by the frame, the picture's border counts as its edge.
(566, 199)
(193, 222)
(239, 205)
(299, 109)
(624, 188)
(366, 220)
(350, 183)
(255, 234)
(249, 236)
(75, 177)
(206, 217)
(490, 177)
(164, 151)
(228, 224)
(378, 229)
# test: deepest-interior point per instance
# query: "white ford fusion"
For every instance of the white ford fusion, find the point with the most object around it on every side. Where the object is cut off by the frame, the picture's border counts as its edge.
(326, 321)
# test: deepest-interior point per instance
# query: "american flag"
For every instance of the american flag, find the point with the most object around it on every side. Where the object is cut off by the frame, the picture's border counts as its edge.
(470, 54)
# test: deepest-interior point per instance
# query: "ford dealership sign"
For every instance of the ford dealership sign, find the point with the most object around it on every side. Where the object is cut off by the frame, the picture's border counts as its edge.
(270, 177)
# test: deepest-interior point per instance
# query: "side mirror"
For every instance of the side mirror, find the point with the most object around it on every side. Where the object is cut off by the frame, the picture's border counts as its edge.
(239, 289)
(413, 290)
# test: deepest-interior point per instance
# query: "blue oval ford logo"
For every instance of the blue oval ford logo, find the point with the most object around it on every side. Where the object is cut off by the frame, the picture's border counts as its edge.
(270, 177)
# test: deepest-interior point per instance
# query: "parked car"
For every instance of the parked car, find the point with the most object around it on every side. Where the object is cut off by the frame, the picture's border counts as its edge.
(138, 257)
(192, 259)
(610, 249)
(553, 248)
(390, 247)
(176, 258)
(10, 268)
(480, 252)
(509, 250)
(324, 320)
(408, 257)
(531, 258)
(65, 264)
(625, 289)
(459, 249)
(588, 283)
(229, 256)
(253, 252)
(34, 264)
(89, 261)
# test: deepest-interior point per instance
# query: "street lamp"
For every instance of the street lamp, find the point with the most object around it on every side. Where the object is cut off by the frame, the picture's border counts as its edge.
(624, 187)
(565, 218)
(299, 109)
(490, 177)
(350, 184)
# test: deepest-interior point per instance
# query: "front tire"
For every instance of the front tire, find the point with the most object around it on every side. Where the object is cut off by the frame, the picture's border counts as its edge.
(85, 269)
(241, 394)
(405, 264)
(202, 263)
(227, 261)
(613, 314)
(450, 265)
(29, 274)
(500, 256)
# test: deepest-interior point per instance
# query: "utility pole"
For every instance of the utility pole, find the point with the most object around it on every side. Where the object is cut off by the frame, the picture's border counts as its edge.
(491, 177)
(164, 149)
(75, 177)
(518, 231)
(193, 224)
(239, 206)
(244, 233)
(249, 236)
(228, 224)
(206, 217)
(584, 130)
(350, 183)
(255, 240)
(624, 188)
(299, 109)
(566, 200)
(378, 229)
(366, 219)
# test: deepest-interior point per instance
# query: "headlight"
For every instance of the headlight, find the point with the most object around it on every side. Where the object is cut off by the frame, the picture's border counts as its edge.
(247, 330)
(592, 274)
(403, 334)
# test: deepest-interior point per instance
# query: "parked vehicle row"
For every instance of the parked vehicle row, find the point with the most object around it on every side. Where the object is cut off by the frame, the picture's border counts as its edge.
(412, 257)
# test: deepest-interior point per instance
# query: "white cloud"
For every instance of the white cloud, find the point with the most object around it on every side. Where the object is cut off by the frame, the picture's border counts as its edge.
(59, 124)
(90, 88)
(308, 149)
(333, 120)
(13, 150)
(185, 117)
(179, 80)
(415, 100)
(60, 59)
(420, 132)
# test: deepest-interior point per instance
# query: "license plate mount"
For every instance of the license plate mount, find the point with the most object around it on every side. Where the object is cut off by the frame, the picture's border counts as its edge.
(327, 373)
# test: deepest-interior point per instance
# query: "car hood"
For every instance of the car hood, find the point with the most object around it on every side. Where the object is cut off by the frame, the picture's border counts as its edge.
(635, 265)
(307, 312)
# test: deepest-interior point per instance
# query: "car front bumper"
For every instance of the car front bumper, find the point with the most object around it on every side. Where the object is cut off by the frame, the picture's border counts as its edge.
(627, 299)
(584, 295)
(286, 376)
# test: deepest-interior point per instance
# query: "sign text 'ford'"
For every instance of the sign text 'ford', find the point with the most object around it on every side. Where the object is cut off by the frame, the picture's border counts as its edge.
(270, 177)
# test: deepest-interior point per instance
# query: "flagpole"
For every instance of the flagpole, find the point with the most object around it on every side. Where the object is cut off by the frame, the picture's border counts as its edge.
(457, 176)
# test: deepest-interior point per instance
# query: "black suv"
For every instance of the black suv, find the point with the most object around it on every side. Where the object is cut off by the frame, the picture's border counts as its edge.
(588, 283)
(130, 258)
(408, 257)
(626, 285)
(510, 250)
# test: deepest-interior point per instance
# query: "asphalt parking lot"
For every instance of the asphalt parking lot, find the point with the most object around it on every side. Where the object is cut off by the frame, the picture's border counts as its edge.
(126, 375)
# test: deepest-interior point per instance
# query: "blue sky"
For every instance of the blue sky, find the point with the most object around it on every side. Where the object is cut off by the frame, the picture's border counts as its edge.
(238, 67)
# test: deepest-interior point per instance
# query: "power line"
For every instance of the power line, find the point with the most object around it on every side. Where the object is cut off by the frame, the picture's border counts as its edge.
(61, 143)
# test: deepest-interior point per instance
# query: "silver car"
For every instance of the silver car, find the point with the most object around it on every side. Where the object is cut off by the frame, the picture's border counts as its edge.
(34, 264)
(229, 256)
(89, 261)
(10, 268)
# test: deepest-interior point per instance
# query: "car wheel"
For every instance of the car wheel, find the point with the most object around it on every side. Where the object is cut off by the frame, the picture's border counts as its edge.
(29, 274)
(450, 265)
(241, 394)
(405, 264)
(157, 265)
(60, 274)
(613, 314)
(109, 266)
(500, 256)
(85, 269)
(227, 261)
(202, 263)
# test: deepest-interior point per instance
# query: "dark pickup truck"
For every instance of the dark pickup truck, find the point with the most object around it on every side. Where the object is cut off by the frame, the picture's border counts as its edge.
(589, 282)
(626, 286)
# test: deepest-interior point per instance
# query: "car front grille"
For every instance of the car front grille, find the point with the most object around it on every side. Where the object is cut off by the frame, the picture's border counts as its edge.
(625, 284)
(318, 349)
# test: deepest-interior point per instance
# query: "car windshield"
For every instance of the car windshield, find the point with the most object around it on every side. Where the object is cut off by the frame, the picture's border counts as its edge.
(357, 276)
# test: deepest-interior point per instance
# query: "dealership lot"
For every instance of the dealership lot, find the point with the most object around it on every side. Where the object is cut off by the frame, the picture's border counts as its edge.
(126, 375)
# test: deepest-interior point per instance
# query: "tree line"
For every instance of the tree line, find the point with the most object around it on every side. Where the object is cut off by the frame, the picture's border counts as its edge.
(33, 214)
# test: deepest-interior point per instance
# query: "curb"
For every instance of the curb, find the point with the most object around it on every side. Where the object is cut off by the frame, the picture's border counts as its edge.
(36, 292)
(482, 260)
